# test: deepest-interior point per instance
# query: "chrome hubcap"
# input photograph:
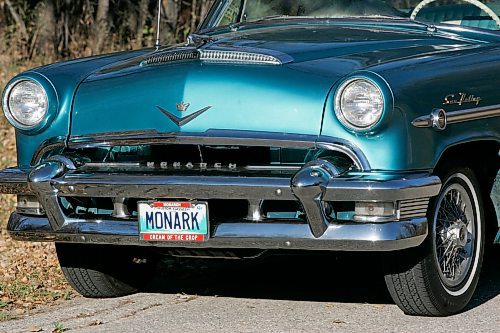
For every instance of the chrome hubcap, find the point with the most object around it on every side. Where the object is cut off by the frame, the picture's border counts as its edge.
(455, 235)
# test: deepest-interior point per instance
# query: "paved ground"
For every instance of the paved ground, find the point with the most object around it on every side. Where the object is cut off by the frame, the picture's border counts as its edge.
(279, 294)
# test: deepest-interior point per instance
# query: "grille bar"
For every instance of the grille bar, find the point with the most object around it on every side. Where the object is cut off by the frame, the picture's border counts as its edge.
(413, 208)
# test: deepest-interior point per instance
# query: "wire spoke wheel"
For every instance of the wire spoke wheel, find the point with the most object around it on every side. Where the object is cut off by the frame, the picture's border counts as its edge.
(454, 235)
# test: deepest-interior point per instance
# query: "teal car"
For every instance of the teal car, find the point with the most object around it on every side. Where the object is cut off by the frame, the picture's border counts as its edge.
(297, 125)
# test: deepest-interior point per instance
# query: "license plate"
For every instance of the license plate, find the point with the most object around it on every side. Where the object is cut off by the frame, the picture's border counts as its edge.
(173, 221)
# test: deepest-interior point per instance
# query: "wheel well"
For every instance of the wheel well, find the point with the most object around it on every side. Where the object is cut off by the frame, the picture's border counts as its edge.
(483, 158)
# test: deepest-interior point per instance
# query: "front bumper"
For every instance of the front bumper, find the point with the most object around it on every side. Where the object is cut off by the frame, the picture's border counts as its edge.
(315, 184)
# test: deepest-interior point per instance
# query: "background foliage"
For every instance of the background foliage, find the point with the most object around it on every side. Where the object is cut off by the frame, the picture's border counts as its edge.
(58, 29)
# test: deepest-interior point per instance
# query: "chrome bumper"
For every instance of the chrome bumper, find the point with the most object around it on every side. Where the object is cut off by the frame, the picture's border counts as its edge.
(314, 184)
(346, 237)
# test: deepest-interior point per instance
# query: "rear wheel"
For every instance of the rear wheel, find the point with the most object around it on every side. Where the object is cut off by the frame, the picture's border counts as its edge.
(446, 274)
(101, 271)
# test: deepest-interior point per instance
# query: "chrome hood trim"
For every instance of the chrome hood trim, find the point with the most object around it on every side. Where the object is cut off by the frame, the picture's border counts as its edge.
(240, 56)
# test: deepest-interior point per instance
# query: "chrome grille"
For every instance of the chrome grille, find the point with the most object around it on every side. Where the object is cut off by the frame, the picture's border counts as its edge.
(413, 208)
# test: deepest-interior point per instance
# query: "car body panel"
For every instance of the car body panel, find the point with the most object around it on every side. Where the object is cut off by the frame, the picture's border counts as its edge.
(292, 96)
(231, 92)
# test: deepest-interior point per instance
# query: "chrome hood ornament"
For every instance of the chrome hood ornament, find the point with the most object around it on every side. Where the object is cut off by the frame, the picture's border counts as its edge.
(182, 107)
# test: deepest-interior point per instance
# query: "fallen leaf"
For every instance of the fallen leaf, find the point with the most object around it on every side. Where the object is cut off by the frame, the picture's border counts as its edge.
(96, 322)
(338, 321)
(183, 298)
(35, 329)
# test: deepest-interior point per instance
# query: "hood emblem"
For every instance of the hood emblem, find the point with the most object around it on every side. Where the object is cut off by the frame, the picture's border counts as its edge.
(182, 107)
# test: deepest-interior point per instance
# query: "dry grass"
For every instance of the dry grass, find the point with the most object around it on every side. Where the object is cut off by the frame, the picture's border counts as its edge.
(29, 272)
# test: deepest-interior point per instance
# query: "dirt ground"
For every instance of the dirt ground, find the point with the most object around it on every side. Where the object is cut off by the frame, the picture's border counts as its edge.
(29, 273)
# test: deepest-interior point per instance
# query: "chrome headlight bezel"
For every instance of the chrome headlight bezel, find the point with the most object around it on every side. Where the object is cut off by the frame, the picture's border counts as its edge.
(340, 112)
(51, 103)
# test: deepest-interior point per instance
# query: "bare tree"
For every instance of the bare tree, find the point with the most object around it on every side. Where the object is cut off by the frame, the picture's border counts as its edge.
(44, 37)
(58, 29)
(142, 17)
(101, 29)
(19, 22)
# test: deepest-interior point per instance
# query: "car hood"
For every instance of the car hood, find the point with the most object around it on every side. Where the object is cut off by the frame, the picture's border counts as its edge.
(138, 95)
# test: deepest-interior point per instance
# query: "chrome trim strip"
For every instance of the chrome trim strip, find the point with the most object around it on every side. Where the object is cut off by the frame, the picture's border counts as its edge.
(211, 137)
(46, 147)
(341, 189)
(342, 237)
(460, 116)
(354, 153)
(236, 187)
(162, 186)
(14, 181)
(140, 166)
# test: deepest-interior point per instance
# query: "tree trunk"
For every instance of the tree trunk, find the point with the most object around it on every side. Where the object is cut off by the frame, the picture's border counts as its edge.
(19, 22)
(101, 26)
(143, 15)
(194, 15)
(172, 9)
(44, 39)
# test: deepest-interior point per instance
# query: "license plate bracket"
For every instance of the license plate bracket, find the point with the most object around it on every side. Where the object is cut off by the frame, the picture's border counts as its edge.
(173, 221)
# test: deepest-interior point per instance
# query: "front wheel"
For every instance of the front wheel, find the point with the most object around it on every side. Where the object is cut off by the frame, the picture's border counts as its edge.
(446, 274)
(102, 271)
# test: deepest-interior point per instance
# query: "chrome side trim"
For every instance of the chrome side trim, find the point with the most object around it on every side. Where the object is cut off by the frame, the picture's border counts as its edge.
(459, 116)
(14, 181)
(343, 237)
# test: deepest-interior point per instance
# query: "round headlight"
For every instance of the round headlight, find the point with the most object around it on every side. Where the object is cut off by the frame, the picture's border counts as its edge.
(25, 103)
(359, 104)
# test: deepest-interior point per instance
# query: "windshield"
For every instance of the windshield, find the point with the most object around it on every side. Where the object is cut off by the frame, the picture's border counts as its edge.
(472, 13)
